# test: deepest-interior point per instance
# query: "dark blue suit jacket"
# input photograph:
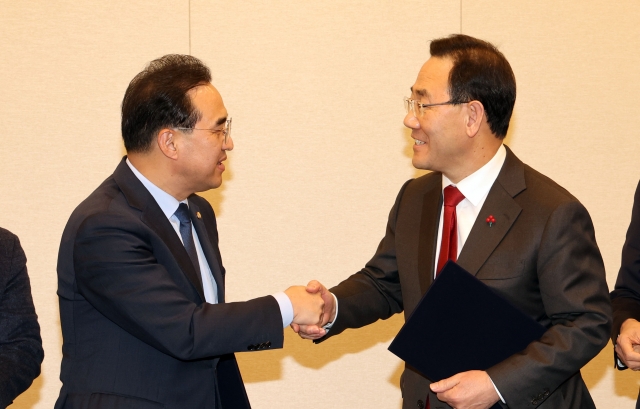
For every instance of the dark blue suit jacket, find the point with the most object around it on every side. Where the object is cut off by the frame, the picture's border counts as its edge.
(137, 332)
(20, 344)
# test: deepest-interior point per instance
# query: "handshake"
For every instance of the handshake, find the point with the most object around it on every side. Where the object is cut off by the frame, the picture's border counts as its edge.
(313, 307)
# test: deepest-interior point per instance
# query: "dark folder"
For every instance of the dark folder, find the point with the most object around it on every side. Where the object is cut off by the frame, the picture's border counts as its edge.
(460, 324)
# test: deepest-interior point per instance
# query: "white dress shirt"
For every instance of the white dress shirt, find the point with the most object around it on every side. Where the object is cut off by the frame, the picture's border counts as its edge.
(169, 204)
(475, 189)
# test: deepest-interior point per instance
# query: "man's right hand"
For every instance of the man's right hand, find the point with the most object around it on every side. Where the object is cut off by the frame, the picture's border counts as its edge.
(314, 332)
(628, 344)
(308, 307)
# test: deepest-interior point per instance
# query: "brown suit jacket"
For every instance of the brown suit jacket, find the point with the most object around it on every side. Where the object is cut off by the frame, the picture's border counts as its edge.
(540, 254)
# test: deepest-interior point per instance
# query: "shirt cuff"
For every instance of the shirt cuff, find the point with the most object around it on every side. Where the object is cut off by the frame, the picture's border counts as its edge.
(497, 391)
(286, 308)
(328, 325)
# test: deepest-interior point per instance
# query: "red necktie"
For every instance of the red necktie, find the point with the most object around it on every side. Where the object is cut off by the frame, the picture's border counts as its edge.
(449, 243)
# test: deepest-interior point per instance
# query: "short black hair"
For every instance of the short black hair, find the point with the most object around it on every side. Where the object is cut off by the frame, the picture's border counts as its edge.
(157, 98)
(480, 72)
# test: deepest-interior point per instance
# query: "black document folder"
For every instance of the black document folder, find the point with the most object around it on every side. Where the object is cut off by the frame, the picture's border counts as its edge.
(460, 324)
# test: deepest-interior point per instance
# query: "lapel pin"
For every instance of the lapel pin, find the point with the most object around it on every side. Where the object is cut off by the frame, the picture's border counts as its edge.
(198, 215)
(491, 220)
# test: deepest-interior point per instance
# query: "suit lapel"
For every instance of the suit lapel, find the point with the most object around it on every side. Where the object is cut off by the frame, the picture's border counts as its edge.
(483, 239)
(500, 204)
(212, 256)
(139, 197)
(429, 221)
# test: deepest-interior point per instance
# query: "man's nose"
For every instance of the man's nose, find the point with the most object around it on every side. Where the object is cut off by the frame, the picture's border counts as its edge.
(228, 145)
(410, 121)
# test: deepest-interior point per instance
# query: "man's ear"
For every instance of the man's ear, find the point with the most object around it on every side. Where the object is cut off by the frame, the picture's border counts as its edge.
(475, 117)
(166, 139)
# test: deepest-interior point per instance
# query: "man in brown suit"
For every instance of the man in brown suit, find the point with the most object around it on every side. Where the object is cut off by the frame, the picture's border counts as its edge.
(517, 231)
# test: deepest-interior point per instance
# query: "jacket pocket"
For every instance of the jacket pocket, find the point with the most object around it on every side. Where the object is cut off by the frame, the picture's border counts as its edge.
(108, 401)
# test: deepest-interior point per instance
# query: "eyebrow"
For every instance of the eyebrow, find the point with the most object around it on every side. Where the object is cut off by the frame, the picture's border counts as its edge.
(221, 121)
(420, 92)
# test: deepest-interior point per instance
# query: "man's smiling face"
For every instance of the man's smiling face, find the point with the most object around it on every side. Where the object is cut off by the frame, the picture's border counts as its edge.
(439, 133)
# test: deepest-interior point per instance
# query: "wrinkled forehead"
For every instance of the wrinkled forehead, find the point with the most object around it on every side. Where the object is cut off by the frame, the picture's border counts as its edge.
(432, 82)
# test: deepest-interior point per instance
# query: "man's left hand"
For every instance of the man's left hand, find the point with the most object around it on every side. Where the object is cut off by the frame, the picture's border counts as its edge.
(628, 344)
(467, 390)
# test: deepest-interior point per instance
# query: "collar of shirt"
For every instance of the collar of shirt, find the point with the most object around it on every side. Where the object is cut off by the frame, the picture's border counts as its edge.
(476, 186)
(168, 204)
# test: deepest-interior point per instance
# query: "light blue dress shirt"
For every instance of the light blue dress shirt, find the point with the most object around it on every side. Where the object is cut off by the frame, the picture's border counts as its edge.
(169, 204)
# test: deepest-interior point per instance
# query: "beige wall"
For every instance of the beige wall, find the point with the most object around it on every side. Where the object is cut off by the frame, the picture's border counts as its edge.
(315, 90)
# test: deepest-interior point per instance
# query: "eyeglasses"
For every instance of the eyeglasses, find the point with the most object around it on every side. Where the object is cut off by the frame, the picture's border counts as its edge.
(226, 131)
(418, 109)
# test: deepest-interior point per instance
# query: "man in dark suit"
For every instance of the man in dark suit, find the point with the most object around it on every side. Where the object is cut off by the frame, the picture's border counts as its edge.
(625, 298)
(140, 278)
(513, 228)
(20, 344)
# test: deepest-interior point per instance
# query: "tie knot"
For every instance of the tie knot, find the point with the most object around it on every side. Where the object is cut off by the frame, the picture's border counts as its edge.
(452, 196)
(183, 213)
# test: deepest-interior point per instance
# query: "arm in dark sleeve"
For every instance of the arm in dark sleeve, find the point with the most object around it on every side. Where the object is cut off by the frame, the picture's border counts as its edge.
(574, 293)
(118, 273)
(20, 344)
(374, 292)
(625, 298)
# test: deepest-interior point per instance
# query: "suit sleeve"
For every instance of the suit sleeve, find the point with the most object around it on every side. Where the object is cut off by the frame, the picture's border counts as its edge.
(20, 344)
(573, 290)
(118, 273)
(625, 298)
(374, 292)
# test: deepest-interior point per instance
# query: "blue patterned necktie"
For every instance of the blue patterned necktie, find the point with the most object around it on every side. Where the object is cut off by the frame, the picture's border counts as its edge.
(187, 237)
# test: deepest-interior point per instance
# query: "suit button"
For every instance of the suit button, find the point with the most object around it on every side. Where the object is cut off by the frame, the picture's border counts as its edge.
(420, 404)
(251, 347)
(268, 344)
